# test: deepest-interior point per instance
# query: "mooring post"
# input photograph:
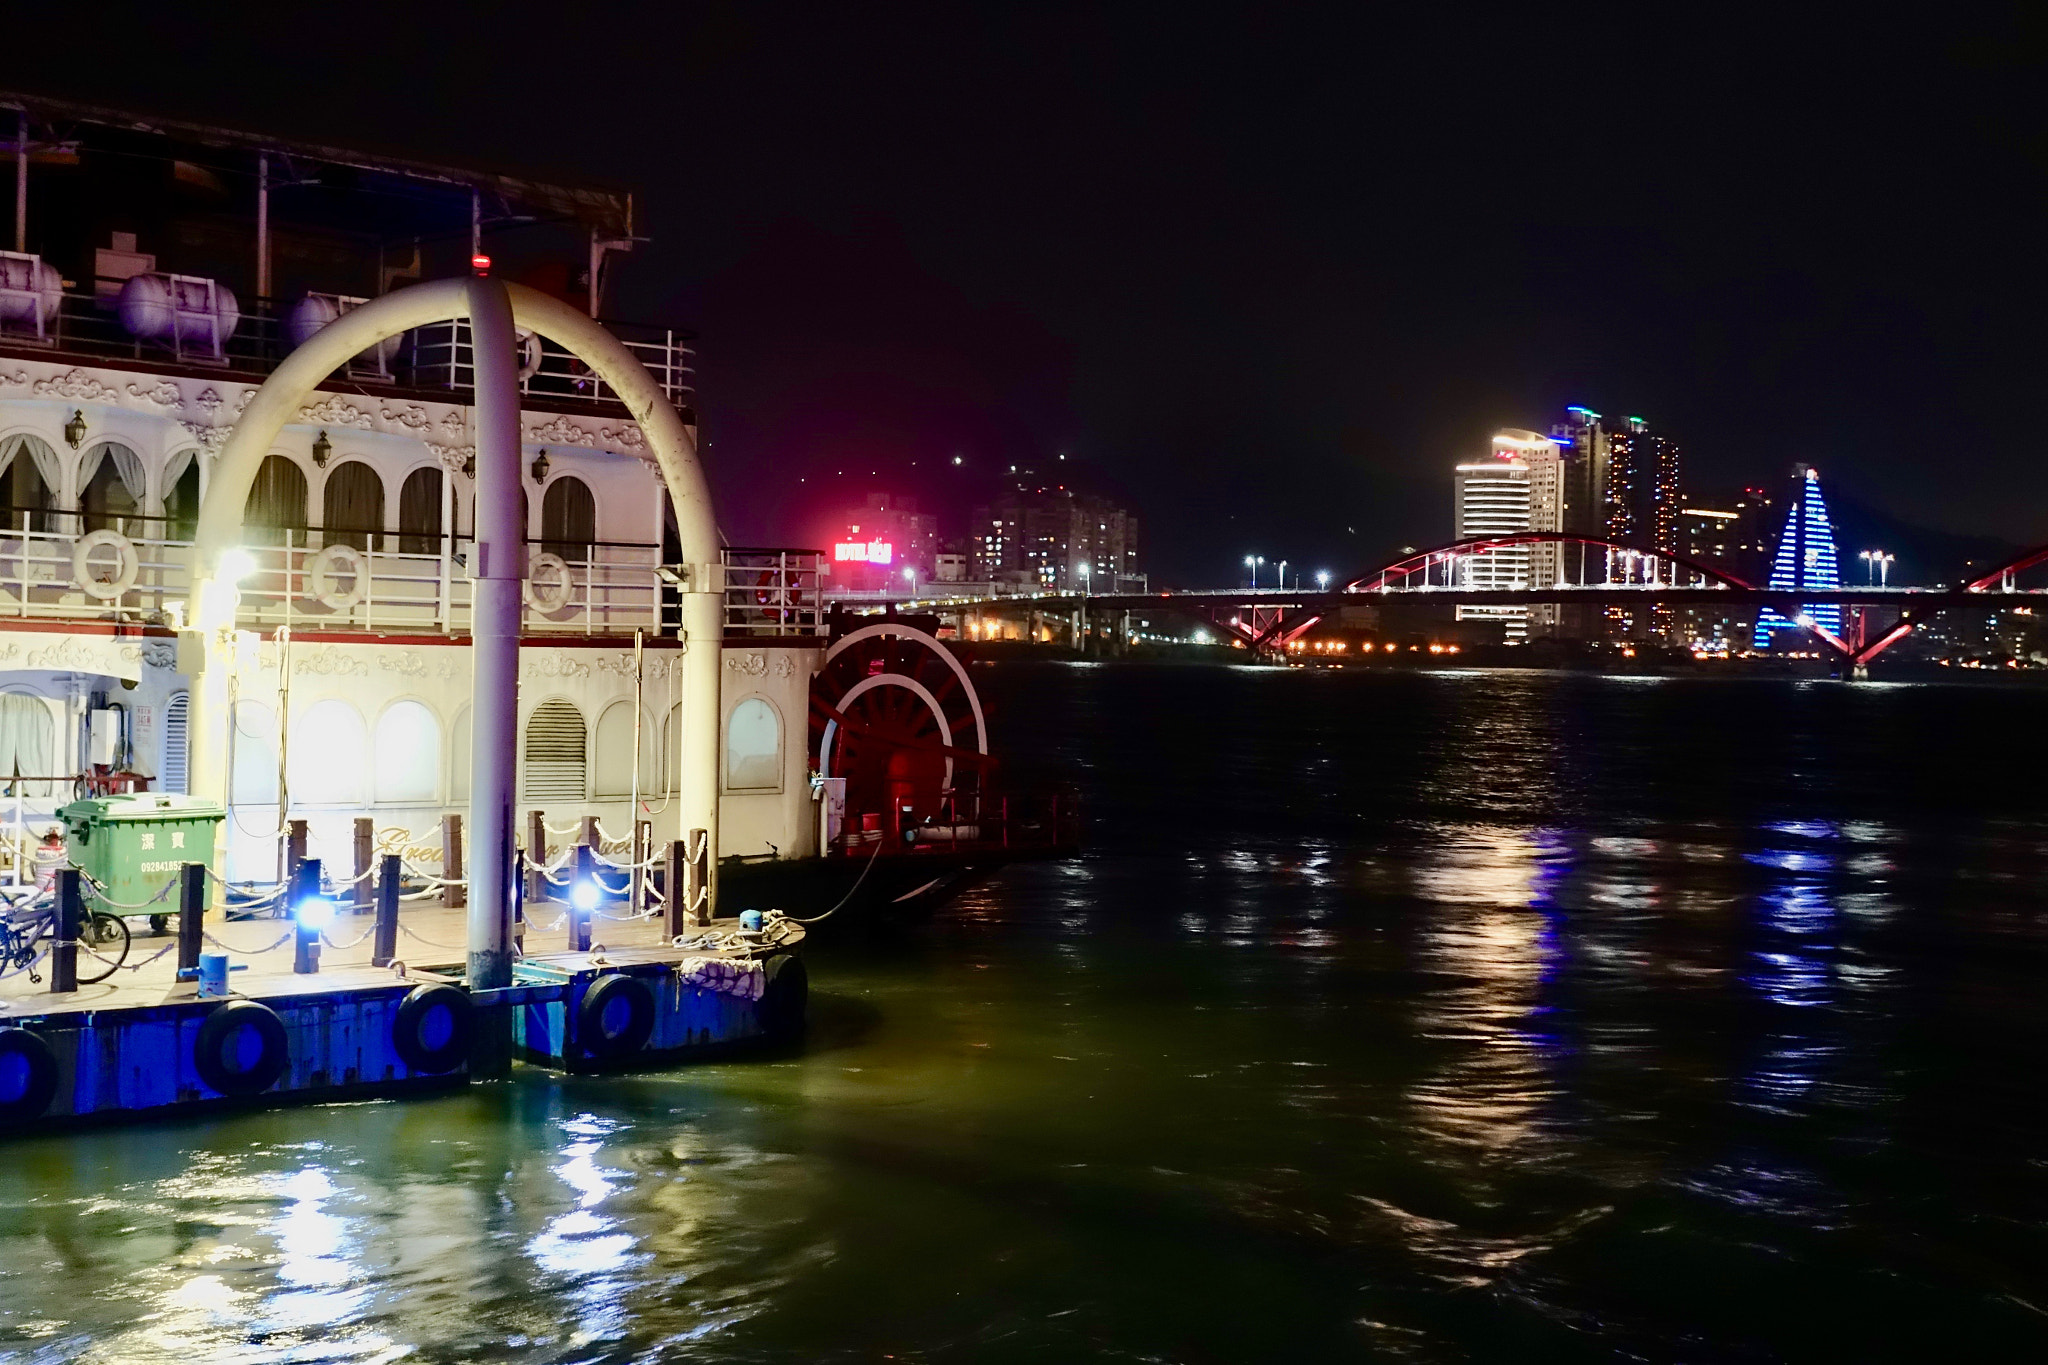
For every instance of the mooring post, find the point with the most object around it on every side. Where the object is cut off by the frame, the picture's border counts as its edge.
(591, 835)
(519, 902)
(70, 916)
(675, 920)
(579, 916)
(294, 847)
(536, 855)
(191, 917)
(384, 945)
(366, 853)
(305, 924)
(698, 877)
(451, 861)
(636, 882)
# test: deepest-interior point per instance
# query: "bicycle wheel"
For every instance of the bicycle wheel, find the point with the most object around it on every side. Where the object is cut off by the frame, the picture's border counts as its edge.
(106, 935)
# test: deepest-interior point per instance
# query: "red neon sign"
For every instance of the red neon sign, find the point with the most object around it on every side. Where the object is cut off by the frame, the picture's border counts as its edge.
(864, 552)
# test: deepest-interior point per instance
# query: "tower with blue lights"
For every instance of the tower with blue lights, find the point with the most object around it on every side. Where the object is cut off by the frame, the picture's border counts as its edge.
(1805, 559)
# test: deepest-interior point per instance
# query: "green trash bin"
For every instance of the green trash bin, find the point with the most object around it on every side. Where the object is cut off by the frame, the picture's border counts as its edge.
(133, 845)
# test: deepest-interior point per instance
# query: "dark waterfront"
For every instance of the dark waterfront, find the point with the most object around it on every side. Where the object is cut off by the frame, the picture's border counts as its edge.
(1466, 1015)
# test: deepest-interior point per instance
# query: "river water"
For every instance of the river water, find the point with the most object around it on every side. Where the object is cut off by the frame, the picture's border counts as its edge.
(1418, 1016)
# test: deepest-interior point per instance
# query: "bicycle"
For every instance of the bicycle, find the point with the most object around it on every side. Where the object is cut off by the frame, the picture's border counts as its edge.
(32, 918)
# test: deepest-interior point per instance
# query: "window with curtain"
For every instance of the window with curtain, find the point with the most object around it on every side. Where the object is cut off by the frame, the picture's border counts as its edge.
(352, 506)
(325, 764)
(556, 755)
(568, 519)
(181, 495)
(753, 747)
(28, 741)
(408, 753)
(612, 765)
(419, 512)
(28, 476)
(111, 488)
(277, 503)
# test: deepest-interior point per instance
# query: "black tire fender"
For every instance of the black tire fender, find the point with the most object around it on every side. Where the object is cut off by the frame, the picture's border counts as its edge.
(639, 1025)
(219, 1030)
(408, 1030)
(785, 996)
(39, 1086)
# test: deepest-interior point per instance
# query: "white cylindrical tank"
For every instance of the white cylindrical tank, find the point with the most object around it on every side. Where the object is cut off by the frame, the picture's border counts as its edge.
(178, 310)
(29, 285)
(315, 311)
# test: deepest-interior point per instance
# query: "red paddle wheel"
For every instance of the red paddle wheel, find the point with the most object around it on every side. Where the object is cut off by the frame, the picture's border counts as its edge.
(893, 712)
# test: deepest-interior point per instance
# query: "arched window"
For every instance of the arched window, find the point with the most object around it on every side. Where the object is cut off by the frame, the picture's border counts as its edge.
(555, 752)
(612, 773)
(408, 753)
(111, 487)
(28, 474)
(458, 761)
(753, 747)
(28, 741)
(568, 519)
(181, 495)
(324, 766)
(352, 506)
(253, 777)
(419, 512)
(171, 773)
(277, 503)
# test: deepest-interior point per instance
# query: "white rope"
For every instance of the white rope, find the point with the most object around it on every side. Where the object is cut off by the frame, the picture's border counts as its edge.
(561, 829)
(351, 943)
(445, 947)
(251, 952)
(100, 893)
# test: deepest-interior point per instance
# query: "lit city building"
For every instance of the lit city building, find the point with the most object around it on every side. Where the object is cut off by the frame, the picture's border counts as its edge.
(878, 543)
(1055, 539)
(1582, 447)
(1805, 558)
(1491, 498)
(1641, 507)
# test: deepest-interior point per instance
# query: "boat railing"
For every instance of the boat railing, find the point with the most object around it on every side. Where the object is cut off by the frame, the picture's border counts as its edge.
(436, 356)
(773, 592)
(382, 582)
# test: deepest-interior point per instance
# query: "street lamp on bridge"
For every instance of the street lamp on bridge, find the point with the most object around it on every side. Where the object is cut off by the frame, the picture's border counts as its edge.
(1322, 578)
(1876, 565)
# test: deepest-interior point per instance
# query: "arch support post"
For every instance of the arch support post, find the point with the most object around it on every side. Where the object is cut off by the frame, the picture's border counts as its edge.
(498, 566)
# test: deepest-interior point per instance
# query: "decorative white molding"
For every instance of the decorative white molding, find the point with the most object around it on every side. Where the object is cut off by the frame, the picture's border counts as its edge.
(451, 457)
(563, 432)
(408, 665)
(208, 401)
(335, 412)
(409, 416)
(210, 438)
(554, 663)
(18, 377)
(75, 384)
(164, 395)
(331, 661)
(752, 664)
(455, 423)
(785, 667)
(159, 653)
(78, 655)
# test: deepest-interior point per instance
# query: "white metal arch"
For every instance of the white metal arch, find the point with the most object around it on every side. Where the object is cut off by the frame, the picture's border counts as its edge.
(959, 671)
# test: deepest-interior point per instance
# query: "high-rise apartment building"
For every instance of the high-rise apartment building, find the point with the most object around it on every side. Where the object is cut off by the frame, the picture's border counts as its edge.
(1642, 506)
(1055, 538)
(1491, 498)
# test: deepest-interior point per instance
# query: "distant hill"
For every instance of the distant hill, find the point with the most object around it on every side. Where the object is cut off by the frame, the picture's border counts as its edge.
(1925, 555)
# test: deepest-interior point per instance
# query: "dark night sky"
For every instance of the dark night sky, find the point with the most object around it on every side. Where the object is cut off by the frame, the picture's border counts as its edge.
(1268, 273)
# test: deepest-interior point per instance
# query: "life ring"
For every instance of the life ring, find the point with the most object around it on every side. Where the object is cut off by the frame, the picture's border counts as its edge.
(616, 1017)
(529, 355)
(417, 1017)
(340, 557)
(219, 1042)
(39, 1074)
(81, 564)
(777, 606)
(548, 600)
(785, 996)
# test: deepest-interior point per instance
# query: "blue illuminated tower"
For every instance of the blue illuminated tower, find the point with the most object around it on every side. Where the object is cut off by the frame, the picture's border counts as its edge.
(1805, 559)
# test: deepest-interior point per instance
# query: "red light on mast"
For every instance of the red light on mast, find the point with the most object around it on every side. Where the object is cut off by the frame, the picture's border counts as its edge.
(480, 263)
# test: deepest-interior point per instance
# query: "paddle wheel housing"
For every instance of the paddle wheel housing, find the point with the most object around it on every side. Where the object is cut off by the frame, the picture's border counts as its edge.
(894, 713)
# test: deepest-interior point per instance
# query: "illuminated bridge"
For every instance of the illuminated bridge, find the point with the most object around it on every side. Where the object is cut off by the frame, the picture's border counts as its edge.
(1589, 571)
